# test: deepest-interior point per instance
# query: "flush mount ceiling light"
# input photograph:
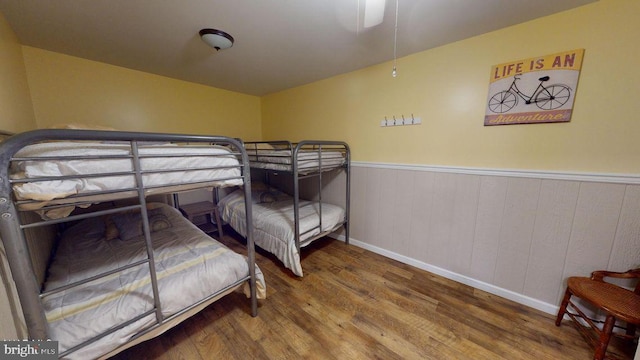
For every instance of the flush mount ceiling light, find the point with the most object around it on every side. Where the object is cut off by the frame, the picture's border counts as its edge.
(217, 39)
(373, 12)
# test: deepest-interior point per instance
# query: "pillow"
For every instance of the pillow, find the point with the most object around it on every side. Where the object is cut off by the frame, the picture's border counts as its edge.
(258, 186)
(267, 195)
(157, 220)
(129, 224)
(87, 228)
(262, 193)
(111, 230)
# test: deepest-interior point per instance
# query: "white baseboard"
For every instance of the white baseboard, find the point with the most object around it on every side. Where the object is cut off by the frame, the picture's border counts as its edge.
(481, 285)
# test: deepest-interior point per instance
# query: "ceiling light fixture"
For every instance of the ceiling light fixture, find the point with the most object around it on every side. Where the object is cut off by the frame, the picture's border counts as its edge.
(217, 39)
(373, 12)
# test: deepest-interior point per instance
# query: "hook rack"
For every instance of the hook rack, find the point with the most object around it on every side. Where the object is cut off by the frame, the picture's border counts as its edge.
(401, 120)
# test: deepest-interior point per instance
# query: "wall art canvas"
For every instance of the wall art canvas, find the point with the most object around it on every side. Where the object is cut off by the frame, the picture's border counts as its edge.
(535, 90)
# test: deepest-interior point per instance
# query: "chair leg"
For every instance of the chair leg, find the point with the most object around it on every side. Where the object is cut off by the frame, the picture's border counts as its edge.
(216, 213)
(563, 307)
(605, 336)
(631, 330)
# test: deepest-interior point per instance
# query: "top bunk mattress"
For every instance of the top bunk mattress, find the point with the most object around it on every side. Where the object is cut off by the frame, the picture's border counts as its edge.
(65, 172)
(282, 160)
(309, 155)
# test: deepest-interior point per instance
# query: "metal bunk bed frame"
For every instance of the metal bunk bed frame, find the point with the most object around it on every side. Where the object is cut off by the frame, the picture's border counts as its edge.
(14, 239)
(294, 150)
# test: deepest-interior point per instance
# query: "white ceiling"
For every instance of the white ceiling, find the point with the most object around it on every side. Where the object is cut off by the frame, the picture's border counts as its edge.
(279, 44)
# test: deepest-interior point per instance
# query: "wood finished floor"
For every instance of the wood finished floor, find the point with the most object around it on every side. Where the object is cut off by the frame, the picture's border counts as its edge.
(355, 304)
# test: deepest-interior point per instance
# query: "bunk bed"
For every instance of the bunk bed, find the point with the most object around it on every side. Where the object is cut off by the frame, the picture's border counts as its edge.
(286, 221)
(122, 270)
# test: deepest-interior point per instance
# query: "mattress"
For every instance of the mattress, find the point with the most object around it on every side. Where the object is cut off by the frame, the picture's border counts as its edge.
(190, 266)
(70, 172)
(308, 160)
(273, 223)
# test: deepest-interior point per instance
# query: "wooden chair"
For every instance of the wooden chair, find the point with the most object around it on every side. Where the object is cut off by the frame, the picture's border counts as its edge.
(618, 304)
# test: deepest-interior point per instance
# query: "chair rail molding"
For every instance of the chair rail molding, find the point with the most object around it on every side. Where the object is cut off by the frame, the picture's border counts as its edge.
(632, 179)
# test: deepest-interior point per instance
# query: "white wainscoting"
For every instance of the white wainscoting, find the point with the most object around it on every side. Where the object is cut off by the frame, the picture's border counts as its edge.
(516, 234)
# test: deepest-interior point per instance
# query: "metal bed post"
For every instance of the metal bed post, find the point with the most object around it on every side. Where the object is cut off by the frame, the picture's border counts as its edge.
(17, 252)
(296, 196)
(320, 188)
(147, 233)
(22, 272)
(251, 255)
(348, 192)
(296, 178)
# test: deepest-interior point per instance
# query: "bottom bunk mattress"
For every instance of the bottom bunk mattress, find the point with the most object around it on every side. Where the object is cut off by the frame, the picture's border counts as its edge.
(274, 223)
(190, 266)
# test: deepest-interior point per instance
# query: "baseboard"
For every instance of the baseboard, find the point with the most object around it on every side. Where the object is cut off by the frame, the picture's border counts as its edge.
(481, 285)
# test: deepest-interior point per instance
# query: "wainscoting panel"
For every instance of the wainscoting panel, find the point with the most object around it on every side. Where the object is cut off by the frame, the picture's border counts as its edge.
(514, 243)
(628, 233)
(516, 234)
(420, 214)
(594, 227)
(550, 241)
(491, 201)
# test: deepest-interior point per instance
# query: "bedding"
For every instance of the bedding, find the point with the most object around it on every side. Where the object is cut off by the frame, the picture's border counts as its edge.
(189, 264)
(273, 222)
(95, 172)
(308, 160)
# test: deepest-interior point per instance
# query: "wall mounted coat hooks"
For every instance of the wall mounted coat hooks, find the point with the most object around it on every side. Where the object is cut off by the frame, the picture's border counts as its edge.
(401, 120)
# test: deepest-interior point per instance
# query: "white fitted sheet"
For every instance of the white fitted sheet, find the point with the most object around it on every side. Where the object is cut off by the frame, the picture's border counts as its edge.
(273, 224)
(190, 266)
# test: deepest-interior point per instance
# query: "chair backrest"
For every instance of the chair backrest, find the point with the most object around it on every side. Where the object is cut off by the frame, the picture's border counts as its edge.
(629, 274)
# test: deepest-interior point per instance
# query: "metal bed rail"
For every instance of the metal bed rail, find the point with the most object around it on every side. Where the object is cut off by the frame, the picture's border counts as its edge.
(294, 158)
(319, 146)
(278, 155)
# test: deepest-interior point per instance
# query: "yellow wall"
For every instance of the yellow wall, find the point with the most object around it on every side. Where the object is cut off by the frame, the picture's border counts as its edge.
(68, 89)
(447, 87)
(16, 111)
(16, 115)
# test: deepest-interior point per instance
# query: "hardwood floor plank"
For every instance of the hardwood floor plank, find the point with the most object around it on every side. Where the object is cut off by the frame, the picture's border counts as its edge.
(314, 297)
(224, 320)
(354, 304)
(415, 318)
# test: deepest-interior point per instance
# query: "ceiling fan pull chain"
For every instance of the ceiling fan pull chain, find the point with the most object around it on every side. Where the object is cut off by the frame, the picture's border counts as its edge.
(394, 72)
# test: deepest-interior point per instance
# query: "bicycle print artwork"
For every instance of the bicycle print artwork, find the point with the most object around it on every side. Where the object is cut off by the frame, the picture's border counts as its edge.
(545, 97)
(536, 90)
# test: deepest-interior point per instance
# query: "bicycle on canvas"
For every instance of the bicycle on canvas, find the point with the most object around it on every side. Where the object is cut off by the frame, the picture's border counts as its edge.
(545, 97)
